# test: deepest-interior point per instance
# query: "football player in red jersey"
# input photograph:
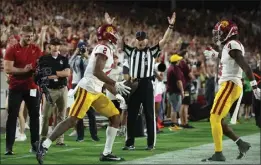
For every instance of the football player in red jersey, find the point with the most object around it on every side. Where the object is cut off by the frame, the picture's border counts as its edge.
(225, 34)
(89, 93)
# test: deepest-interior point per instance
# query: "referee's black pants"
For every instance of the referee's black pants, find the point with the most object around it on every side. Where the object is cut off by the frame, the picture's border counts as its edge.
(257, 108)
(92, 125)
(15, 98)
(143, 94)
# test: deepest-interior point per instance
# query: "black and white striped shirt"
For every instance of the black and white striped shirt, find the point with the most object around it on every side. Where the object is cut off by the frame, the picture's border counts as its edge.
(141, 62)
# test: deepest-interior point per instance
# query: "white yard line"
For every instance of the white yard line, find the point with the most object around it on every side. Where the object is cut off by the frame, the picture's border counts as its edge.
(194, 155)
(98, 145)
(33, 155)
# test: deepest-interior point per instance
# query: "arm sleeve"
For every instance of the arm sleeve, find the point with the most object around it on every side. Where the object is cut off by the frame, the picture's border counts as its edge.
(9, 55)
(155, 51)
(102, 49)
(125, 69)
(234, 45)
(127, 49)
(66, 63)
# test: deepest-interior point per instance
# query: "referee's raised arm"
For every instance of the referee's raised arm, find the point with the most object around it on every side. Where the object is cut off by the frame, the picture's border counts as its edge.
(155, 50)
(168, 31)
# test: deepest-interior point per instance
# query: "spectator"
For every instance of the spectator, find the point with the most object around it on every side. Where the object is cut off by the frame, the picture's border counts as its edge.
(20, 61)
(175, 88)
(188, 76)
(159, 88)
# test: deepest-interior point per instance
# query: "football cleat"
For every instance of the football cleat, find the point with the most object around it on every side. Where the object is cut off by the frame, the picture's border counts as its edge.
(149, 148)
(243, 147)
(110, 157)
(40, 153)
(128, 148)
(215, 157)
(9, 152)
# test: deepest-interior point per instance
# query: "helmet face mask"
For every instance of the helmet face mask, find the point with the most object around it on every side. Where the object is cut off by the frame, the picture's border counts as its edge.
(112, 37)
(217, 37)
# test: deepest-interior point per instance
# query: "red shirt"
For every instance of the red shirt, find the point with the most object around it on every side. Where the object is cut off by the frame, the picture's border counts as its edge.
(185, 69)
(173, 76)
(22, 56)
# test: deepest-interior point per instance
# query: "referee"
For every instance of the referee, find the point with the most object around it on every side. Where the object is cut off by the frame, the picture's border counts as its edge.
(141, 69)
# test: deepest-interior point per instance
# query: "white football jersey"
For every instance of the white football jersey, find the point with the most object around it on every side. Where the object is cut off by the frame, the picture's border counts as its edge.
(89, 81)
(116, 75)
(229, 69)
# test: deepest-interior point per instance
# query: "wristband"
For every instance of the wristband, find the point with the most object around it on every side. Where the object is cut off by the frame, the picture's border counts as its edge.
(253, 83)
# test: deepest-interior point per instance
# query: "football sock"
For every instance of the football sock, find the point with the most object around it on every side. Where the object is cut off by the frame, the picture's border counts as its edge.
(237, 140)
(47, 143)
(110, 137)
(217, 132)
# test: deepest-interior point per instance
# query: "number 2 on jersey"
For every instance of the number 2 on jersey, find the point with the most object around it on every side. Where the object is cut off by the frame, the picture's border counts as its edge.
(104, 50)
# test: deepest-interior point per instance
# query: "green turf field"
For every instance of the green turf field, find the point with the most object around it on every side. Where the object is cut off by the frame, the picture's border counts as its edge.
(88, 152)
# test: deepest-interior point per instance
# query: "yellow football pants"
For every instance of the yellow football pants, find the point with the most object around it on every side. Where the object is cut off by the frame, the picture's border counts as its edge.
(84, 100)
(228, 93)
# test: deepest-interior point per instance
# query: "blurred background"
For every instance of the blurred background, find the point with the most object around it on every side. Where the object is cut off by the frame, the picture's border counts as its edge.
(75, 20)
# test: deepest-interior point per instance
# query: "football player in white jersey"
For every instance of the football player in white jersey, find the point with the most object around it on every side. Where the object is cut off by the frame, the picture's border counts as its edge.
(89, 93)
(233, 64)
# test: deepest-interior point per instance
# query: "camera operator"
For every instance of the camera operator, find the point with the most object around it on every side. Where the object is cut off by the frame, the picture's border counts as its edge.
(19, 62)
(56, 87)
(78, 63)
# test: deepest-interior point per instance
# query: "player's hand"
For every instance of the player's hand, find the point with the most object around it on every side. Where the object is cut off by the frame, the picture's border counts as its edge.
(28, 68)
(172, 19)
(123, 106)
(120, 99)
(257, 93)
(122, 88)
(210, 53)
(108, 19)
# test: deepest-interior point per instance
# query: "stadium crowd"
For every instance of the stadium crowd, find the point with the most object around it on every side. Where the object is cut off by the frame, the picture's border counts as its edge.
(74, 23)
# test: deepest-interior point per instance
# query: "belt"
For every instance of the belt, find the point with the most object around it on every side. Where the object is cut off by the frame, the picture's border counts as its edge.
(57, 87)
(142, 79)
